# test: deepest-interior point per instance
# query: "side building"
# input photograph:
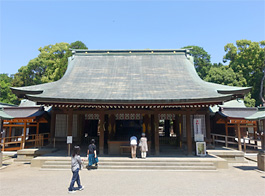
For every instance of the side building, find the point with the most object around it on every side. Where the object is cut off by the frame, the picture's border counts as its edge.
(111, 95)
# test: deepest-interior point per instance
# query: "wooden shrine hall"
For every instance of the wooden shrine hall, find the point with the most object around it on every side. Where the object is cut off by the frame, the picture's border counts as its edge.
(28, 127)
(114, 94)
(235, 122)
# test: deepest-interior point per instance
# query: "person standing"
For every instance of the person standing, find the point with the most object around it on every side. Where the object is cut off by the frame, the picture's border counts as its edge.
(76, 164)
(133, 143)
(92, 154)
(143, 146)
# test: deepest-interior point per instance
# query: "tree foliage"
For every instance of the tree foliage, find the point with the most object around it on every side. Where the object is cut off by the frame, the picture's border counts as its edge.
(202, 60)
(49, 66)
(78, 45)
(6, 96)
(225, 75)
(247, 58)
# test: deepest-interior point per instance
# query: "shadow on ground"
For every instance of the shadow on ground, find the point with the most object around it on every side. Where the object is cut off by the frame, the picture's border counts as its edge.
(246, 168)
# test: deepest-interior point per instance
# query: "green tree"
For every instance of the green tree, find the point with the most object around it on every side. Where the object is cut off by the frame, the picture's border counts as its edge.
(78, 45)
(247, 58)
(225, 75)
(202, 60)
(49, 66)
(6, 96)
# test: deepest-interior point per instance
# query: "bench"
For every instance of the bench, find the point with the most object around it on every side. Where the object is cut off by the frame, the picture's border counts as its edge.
(125, 149)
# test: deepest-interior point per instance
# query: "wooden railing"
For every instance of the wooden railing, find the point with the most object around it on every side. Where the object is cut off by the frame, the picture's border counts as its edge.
(17, 142)
(229, 140)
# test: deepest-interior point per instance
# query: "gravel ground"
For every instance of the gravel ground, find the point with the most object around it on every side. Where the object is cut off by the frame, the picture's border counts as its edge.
(239, 179)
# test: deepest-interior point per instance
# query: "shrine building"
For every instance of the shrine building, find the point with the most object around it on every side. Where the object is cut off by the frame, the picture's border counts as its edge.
(111, 95)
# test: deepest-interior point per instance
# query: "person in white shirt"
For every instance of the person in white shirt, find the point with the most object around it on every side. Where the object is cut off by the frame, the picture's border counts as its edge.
(133, 143)
(143, 145)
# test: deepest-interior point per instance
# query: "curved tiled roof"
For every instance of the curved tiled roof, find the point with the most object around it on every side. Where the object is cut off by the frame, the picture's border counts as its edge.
(130, 76)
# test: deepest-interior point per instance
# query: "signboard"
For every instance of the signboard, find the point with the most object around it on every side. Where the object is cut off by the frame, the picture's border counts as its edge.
(200, 148)
(198, 135)
(69, 139)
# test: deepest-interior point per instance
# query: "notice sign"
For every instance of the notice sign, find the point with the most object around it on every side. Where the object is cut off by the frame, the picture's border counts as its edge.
(198, 135)
(69, 139)
(200, 148)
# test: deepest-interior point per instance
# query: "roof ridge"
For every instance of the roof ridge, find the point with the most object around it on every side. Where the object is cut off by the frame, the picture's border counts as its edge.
(128, 51)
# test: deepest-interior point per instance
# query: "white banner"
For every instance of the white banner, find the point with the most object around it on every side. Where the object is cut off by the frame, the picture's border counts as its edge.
(69, 139)
(198, 134)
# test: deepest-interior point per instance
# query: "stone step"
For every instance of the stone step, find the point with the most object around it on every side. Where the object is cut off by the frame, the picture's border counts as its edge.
(57, 166)
(141, 164)
(134, 162)
(149, 160)
(25, 160)
(142, 167)
(159, 163)
(126, 167)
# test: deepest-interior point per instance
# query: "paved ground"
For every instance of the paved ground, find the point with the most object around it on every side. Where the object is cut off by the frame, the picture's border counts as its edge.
(239, 179)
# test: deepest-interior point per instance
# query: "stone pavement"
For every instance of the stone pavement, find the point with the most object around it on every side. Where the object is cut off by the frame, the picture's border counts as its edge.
(242, 179)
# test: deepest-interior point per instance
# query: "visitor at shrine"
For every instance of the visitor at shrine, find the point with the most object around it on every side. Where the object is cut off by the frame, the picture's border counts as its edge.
(92, 154)
(133, 143)
(76, 164)
(143, 146)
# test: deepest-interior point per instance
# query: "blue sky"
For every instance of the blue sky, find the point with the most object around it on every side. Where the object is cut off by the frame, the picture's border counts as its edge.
(28, 25)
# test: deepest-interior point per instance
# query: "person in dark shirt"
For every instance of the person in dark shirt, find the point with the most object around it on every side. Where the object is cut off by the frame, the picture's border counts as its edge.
(92, 154)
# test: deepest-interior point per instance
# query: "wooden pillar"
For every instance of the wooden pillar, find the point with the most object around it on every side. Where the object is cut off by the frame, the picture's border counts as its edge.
(70, 123)
(79, 129)
(226, 129)
(10, 134)
(188, 134)
(239, 137)
(38, 128)
(52, 127)
(180, 121)
(24, 135)
(208, 128)
(70, 128)
(175, 129)
(263, 136)
(152, 135)
(101, 133)
(156, 124)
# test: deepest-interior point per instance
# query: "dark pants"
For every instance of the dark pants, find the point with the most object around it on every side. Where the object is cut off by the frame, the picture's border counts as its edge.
(76, 179)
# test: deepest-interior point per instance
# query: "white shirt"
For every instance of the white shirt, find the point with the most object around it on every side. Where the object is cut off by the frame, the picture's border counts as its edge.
(133, 140)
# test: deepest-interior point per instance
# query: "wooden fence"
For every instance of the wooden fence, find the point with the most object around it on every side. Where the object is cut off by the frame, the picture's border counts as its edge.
(231, 140)
(17, 142)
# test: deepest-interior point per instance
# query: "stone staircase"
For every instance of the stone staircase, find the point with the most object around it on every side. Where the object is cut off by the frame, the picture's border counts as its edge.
(119, 163)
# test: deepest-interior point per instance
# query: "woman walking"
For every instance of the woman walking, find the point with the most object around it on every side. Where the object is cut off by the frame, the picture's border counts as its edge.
(92, 154)
(76, 163)
(143, 146)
